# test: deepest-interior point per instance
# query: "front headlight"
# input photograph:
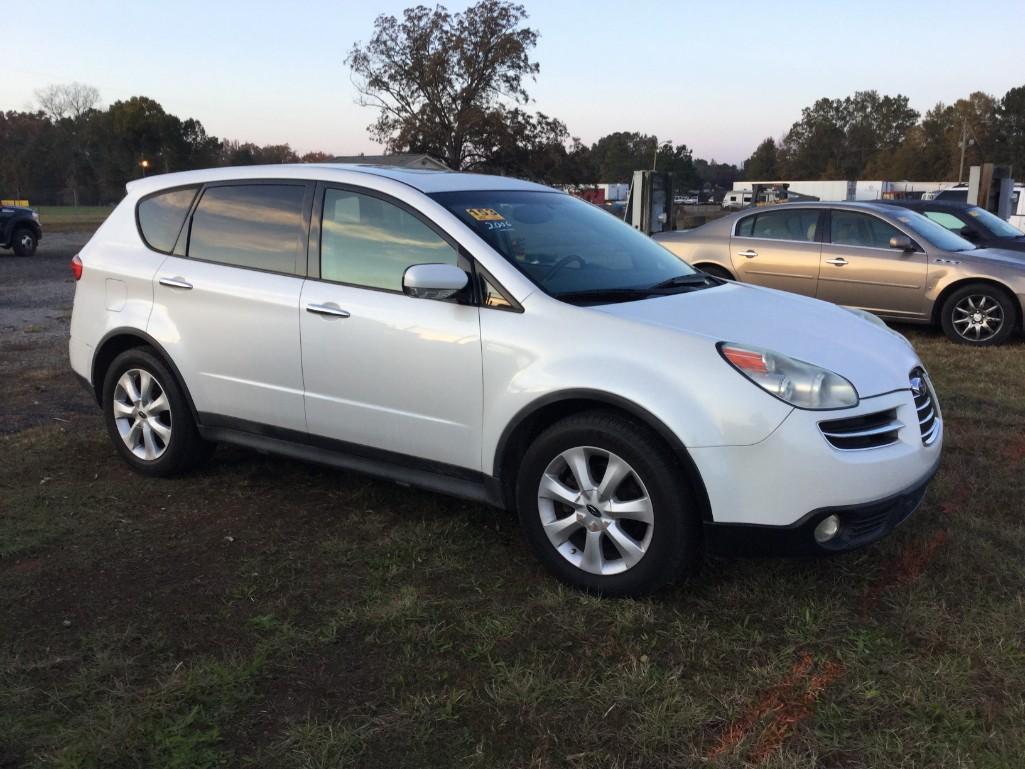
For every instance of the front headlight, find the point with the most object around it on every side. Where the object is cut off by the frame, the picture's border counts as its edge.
(793, 381)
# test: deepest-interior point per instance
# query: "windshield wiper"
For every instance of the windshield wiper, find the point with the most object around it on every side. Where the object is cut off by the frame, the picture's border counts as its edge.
(606, 294)
(692, 279)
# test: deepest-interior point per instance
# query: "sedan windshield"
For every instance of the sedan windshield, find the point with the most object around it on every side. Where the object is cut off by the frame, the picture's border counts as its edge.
(571, 249)
(935, 234)
(994, 223)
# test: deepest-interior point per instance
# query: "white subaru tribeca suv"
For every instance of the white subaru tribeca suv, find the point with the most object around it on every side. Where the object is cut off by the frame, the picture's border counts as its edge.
(501, 341)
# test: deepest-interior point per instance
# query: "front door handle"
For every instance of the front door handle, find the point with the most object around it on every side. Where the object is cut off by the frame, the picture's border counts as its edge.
(327, 309)
(175, 283)
(749, 253)
(838, 261)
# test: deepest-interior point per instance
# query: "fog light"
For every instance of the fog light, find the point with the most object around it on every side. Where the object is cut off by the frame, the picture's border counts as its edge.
(827, 529)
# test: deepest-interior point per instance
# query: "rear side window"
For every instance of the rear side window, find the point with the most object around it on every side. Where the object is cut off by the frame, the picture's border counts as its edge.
(787, 224)
(161, 217)
(745, 226)
(259, 226)
(366, 241)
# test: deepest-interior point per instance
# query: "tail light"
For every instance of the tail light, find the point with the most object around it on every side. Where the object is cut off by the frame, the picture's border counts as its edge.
(76, 267)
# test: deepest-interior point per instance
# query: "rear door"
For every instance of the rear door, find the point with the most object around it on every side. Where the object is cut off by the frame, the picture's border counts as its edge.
(859, 269)
(226, 303)
(778, 248)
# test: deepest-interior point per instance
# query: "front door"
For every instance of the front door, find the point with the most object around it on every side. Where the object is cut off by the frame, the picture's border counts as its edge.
(859, 269)
(778, 249)
(382, 369)
(227, 309)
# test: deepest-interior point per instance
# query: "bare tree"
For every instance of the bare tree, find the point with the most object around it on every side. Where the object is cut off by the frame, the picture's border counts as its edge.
(67, 100)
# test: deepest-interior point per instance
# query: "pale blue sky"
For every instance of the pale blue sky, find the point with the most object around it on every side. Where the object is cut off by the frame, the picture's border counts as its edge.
(718, 76)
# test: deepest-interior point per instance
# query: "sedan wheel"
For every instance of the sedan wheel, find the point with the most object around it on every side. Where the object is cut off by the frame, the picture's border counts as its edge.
(595, 510)
(977, 318)
(142, 414)
(979, 314)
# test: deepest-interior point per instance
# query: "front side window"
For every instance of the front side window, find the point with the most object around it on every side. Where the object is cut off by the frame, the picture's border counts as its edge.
(366, 241)
(786, 224)
(259, 226)
(851, 228)
(565, 245)
(161, 217)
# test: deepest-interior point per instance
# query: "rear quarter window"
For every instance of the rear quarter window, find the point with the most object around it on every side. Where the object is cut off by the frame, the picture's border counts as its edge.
(162, 215)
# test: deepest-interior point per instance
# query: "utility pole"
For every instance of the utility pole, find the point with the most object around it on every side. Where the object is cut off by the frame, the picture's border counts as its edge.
(654, 156)
(964, 142)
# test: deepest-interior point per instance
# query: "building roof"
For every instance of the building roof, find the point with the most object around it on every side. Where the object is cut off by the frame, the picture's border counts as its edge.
(399, 160)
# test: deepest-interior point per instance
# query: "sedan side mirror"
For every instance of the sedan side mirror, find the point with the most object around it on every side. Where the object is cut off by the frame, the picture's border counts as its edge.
(433, 281)
(902, 242)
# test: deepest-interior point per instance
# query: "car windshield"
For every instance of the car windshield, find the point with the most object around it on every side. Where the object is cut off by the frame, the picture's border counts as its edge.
(569, 248)
(935, 234)
(994, 223)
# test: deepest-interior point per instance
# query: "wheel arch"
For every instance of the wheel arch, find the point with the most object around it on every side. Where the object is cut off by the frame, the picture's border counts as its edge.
(941, 299)
(537, 415)
(700, 265)
(118, 340)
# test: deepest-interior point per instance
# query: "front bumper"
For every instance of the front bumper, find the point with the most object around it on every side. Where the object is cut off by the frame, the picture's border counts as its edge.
(860, 525)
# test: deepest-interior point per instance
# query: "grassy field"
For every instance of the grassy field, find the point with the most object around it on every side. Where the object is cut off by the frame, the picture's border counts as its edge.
(63, 218)
(267, 613)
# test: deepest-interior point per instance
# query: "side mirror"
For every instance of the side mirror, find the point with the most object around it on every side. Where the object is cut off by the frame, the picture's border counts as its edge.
(902, 242)
(433, 281)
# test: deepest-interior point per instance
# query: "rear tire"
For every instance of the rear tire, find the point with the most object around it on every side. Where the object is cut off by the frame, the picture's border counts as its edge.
(148, 416)
(24, 242)
(631, 530)
(716, 271)
(979, 315)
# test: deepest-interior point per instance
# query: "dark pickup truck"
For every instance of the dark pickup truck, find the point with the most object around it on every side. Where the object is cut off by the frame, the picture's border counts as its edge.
(19, 229)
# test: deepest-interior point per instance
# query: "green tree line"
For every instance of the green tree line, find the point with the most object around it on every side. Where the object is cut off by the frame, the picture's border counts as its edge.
(85, 155)
(868, 136)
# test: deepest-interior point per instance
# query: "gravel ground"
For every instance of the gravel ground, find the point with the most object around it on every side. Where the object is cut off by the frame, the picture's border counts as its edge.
(36, 384)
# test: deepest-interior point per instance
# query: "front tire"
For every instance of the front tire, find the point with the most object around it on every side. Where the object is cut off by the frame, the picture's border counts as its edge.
(604, 506)
(978, 314)
(24, 242)
(148, 416)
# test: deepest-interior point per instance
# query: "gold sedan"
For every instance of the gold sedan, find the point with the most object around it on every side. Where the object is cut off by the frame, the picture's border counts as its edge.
(890, 261)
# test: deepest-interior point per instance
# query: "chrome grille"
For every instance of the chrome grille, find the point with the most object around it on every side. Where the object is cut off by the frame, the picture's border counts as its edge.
(925, 405)
(867, 431)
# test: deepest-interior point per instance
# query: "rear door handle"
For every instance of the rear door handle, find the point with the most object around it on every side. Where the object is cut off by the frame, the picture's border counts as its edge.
(327, 309)
(838, 261)
(175, 283)
(749, 253)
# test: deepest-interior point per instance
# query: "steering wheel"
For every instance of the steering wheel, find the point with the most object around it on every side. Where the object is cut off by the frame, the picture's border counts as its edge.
(560, 264)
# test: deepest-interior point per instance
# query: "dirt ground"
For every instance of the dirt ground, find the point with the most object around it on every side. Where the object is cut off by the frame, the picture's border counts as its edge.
(36, 384)
(266, 613)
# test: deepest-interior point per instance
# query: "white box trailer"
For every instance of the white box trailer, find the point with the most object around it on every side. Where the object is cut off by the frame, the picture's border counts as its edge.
(823, 190)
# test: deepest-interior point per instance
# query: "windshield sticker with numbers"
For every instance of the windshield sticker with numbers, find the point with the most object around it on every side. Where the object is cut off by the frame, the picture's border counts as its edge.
(485, 214)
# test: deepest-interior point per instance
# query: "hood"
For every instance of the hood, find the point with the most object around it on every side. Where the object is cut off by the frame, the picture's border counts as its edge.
(874, 359)
(1008, 256)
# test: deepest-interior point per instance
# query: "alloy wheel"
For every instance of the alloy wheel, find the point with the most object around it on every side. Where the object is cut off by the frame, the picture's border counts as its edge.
(595, 510)
(26, 241)
(142, 414)
(977, 317)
